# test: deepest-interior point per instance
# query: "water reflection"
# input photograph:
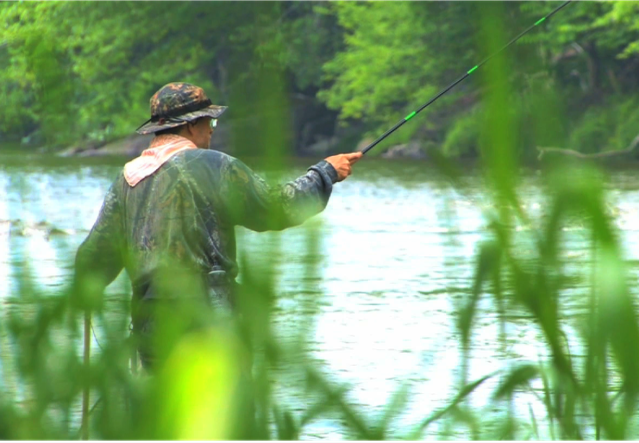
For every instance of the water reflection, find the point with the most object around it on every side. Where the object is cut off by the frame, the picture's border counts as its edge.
(396, 255)
(5, 245)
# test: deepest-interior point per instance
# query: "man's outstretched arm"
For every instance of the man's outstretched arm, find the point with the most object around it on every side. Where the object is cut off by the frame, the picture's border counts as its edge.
(256, 205)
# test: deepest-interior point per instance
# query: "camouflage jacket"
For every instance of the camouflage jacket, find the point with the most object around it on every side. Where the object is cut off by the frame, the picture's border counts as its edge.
(185, 214)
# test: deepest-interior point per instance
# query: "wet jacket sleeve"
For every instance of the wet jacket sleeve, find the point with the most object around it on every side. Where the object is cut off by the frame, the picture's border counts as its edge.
(256, 205)
(99, 259)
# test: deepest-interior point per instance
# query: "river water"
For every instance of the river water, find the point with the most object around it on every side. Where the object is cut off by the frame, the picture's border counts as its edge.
(396, 255)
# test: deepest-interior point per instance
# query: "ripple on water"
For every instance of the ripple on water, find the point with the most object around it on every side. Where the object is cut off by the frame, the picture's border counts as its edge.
(5, 244)
(395, 259)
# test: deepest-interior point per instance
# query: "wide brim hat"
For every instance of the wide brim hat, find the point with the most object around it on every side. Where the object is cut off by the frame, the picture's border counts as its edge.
(176, 104)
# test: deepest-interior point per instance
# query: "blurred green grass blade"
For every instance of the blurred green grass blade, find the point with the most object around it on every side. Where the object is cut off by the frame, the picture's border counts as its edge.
(353, 419)
(465, 392)
(487, 262)
(533, 422)
(285, 424)
(518, 377)
(394, 407)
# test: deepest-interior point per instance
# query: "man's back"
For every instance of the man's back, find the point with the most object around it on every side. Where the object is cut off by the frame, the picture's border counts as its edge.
(185, 212)
(177, 216)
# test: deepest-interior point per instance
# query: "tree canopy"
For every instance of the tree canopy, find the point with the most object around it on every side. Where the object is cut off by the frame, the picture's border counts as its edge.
(82, 72)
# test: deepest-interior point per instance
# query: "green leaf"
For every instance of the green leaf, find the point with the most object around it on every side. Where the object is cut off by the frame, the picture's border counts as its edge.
(516, 378)
(464, 392)
(487, 263)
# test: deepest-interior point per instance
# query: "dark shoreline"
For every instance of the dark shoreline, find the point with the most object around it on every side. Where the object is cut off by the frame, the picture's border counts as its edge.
(122, 150)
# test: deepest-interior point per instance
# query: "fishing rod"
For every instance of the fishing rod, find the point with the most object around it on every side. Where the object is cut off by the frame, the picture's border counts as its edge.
(459, 80)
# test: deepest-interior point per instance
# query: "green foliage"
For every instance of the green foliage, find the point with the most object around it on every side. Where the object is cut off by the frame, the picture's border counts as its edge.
(626, 124)
(593, 131)
(304, 40)
(619, 28)
(392, 56)
(380, 74)
(609, 127)
(463, 136)
(92, 66)
(83, 71)
(86, 70)
(578, 392)
(586, 383)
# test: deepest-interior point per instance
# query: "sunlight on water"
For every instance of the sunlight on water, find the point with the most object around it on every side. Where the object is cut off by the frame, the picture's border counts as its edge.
(5, 249)
(397, 255)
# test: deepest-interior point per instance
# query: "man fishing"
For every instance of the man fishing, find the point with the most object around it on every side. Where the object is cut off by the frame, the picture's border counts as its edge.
(172, 213)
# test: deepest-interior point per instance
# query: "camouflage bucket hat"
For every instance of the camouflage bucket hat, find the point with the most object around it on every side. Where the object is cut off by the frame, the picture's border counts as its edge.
(176, 104)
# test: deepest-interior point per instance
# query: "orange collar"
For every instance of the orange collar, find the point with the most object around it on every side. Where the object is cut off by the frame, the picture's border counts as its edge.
(162, 148)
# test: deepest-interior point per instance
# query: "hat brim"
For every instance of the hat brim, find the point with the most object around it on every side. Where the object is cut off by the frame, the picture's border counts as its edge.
(213, 111)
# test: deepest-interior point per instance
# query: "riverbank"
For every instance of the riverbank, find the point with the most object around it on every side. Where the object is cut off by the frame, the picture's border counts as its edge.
(134, 145)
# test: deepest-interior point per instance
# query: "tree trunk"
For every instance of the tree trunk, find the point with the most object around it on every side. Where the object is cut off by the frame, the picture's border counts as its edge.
(593, 61)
